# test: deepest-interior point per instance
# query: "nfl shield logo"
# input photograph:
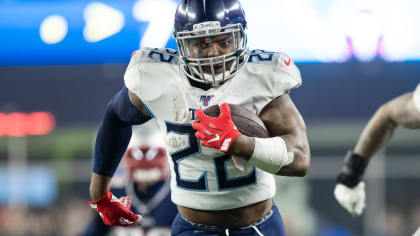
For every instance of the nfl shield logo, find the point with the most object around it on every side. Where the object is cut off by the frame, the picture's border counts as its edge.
(205, 99)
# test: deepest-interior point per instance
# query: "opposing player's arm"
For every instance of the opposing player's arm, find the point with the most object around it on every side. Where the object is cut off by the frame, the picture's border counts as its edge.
(124, 110)
(350, 188)
(400, 111)
(282, 119)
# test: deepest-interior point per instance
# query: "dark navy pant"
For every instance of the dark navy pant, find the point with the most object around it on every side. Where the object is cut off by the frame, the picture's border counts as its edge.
(271, 225)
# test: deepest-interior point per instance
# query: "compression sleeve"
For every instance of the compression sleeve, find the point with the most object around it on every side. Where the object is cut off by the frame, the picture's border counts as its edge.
(115, 133)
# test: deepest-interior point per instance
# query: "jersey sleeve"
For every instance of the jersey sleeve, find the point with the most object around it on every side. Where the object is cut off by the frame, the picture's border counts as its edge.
(416, 97)
(287, 74)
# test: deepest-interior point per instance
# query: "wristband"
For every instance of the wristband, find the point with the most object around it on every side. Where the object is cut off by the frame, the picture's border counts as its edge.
(353, 169)
(270, 154)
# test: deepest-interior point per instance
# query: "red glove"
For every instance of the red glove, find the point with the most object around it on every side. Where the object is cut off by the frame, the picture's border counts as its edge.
(218, 132)
(116, 212)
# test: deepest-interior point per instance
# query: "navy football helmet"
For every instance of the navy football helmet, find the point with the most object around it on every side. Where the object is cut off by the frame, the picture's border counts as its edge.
(146, 164)
(204, 19)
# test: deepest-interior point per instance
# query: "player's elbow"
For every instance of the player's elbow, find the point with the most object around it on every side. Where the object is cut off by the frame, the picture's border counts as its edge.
(302, 165)
(302, 170)
(302, 154)
(385, 113)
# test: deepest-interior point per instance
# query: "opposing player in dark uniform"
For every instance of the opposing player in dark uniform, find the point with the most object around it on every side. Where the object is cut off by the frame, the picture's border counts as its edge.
(401, 111)
(148, 185)
(214, 66)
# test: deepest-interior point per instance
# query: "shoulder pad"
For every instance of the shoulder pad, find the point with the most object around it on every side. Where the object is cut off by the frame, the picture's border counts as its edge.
(280, 63)
(156, 55)
(137, 69)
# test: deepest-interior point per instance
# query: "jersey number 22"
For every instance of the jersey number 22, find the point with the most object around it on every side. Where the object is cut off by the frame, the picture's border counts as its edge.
(200, 184)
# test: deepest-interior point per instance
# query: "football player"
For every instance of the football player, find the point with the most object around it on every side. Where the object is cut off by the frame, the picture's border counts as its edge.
(148, 186)
(401, 111)
(221, 180)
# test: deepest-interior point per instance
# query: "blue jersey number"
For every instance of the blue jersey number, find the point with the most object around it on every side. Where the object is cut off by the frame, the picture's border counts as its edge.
(200, 184)
(163, 57)
(260, 55)
(194, 148)
(226, 183)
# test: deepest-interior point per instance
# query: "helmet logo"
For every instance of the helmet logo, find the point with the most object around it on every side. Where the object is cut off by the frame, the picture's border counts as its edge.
(208, 25)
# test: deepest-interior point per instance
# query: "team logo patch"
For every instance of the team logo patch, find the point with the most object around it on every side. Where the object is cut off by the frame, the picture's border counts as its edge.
(205, 99)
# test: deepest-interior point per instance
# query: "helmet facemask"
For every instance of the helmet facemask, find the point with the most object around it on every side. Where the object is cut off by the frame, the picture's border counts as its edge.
(212, 69)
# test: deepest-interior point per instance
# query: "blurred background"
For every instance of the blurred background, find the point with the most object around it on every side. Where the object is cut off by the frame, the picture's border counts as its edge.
(61, 61)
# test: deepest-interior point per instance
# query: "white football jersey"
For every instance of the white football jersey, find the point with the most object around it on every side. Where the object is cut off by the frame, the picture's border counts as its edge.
(416, 97)
(205, 178)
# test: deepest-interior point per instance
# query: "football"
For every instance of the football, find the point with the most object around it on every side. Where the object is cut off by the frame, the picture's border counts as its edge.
(245, 121)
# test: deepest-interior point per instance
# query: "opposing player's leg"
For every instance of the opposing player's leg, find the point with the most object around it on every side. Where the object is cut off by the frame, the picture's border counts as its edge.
(270, 225)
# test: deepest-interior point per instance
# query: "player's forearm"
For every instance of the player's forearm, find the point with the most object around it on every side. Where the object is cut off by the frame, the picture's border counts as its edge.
(115, 133)
(111, 142)
(99, 185)
(301, 156)
(295, 149)
(243, 147)
(282, 119)
(377, 132)
(298, 168)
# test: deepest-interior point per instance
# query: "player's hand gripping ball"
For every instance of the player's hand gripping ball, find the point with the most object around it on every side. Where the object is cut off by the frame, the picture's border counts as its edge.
(216, 132)
(244, 121)
(116, 212)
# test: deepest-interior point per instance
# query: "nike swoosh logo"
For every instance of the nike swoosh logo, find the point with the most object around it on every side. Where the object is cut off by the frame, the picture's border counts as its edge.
(217, 138)
(225, 145)
(288, 62)
(114, 199)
